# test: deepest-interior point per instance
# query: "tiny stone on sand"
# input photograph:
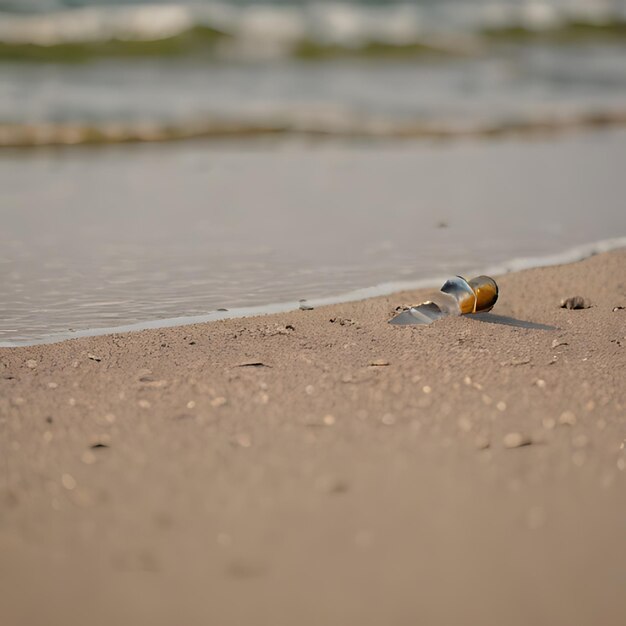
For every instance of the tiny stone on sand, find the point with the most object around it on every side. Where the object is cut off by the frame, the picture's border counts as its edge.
(516, 440)
(575, 302)
(567, 418)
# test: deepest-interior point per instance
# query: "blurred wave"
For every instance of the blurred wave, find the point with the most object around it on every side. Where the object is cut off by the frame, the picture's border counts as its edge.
(76, 72)
(46, 30)
(47, 134)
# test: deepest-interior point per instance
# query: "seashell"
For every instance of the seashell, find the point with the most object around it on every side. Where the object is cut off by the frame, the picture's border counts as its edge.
(486, 290)
(457, 296)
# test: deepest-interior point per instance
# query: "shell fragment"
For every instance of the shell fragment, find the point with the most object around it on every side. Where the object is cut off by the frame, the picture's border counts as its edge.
(457, 296)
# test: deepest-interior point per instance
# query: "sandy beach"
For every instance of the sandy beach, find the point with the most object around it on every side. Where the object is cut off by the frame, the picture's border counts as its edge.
(324, 467)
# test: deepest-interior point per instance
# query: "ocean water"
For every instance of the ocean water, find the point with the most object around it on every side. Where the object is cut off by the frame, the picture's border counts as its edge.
(94, 71)
(160, 160)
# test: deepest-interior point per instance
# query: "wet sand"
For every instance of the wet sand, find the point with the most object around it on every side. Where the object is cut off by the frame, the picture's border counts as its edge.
(324, 467)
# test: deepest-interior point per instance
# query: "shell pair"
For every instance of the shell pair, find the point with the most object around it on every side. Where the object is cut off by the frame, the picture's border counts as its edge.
(457, 297)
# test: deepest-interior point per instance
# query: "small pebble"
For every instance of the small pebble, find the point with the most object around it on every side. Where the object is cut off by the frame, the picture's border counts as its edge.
(559, 342)
(575, 302)
(567, 418)
(379, 363)
(388, 419)
(515, 440)
(540, 383)
(52, 385)
(31, 364)
(482, 442)
(501, 406)
(549, 423)
(93, 357)
(329, 420)
(426, 389)
(67, 480)
(191, 404)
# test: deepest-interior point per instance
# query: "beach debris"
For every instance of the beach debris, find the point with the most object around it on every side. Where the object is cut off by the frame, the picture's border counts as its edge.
(305, 307)
(456, 297)
(516, 440)
(253, 364)
(575, 302)
(559, 342)
(379, 363)
(94, 357)
(618, 308)
(342, 321)
(31, 364)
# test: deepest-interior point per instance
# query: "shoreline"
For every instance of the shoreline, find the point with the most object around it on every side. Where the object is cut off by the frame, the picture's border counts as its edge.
(570, 255)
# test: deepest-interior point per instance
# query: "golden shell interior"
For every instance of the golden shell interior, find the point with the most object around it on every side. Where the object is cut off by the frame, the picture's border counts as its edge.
(486, 290)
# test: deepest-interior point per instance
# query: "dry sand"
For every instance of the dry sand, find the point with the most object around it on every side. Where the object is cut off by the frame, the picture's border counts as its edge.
(363, 474)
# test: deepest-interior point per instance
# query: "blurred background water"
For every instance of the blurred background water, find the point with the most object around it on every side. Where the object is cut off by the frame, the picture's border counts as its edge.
(337, 146)
(76, 71)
